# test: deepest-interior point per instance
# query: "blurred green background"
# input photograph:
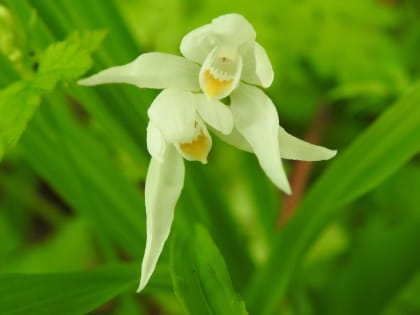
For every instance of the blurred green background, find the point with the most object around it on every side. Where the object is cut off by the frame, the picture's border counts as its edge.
(71, 188)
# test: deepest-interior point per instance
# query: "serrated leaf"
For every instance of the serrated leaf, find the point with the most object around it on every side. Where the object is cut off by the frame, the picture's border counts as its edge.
(61, 61)
(17, 104)
(67, 60)
(200, 277)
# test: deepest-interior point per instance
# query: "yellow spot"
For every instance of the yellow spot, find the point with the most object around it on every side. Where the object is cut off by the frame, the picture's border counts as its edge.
(197, 149)
(213, 86)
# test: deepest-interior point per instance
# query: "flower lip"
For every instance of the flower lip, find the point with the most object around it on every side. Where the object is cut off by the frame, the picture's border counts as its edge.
(199, 147)
(196, 149)
(220, 72)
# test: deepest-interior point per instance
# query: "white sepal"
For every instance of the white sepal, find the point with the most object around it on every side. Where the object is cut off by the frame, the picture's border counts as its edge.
(173, 112)
(234, 139)
(293, 148)
(215, 113)
(233, 29)
(197, 44)
(257, 67)
(151, 70)
(164, 182)
(255, 117)
(155, 142)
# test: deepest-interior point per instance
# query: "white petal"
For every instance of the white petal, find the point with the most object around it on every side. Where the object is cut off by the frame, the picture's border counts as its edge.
(151, 70)
(235, 139)
(215, 113)
(174, 112)
(233, 29)
(257, 68)
(199, 147)
(255, 117)
(296, 149)
(164, 183)
(197, 44)
(155, 142)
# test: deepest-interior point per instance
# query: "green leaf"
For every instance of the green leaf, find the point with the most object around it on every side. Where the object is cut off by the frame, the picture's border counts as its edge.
(67, 60)
(17, 105)
(7, 72)
(200, 277)
(70, 293)
(93, 186)
(389, 143)
(61, 61)
(55, 254)
(377, 271)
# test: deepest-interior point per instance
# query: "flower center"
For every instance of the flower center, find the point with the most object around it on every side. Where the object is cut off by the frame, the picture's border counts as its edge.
(220, 72)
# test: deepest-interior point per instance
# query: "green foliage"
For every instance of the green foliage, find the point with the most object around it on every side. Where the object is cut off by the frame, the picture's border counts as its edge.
(113, 205)
(61, 62)
(67, 60)
(74, 161)
(200, 277)
(72, 293)
(371, 158)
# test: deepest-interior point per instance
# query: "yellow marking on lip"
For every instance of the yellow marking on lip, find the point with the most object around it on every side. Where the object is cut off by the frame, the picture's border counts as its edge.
(196, 149)
(213, 86)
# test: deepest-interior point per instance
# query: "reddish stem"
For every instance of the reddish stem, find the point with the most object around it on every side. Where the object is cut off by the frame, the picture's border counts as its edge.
(302, 170)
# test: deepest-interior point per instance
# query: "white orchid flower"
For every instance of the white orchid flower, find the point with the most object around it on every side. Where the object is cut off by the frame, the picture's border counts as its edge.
(222, 59)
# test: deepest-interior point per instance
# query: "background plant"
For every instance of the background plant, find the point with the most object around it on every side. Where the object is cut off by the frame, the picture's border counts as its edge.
(72, 224)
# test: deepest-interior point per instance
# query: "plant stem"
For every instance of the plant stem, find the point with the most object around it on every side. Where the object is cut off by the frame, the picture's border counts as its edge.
(302, 170)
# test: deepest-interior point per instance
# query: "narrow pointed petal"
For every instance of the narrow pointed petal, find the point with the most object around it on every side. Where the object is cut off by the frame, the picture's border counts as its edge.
(255, 117)
(233, 29)
(173, 112)
(293, 148)
(155, 142)
(257, 68)
(164, 182)
(197, 44)
(151, 70)
(215, 113)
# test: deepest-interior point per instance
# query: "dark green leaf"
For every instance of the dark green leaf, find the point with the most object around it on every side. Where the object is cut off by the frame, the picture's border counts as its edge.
(389, 143)
(71, 293)
(200, 277)
(376, 273)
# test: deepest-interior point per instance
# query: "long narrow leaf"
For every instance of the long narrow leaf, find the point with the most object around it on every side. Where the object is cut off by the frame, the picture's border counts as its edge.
(200, 277)
(389, 143)
(72, 293)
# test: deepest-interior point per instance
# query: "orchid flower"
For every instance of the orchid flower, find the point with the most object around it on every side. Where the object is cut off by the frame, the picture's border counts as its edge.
(221, 60)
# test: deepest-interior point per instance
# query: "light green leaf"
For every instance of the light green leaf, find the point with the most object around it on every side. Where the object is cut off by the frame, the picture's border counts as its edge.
(17, 105)
(67, 60)
(200, 277)
(7, 72)
(70, 293)
(389, 143)
(61, 61)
